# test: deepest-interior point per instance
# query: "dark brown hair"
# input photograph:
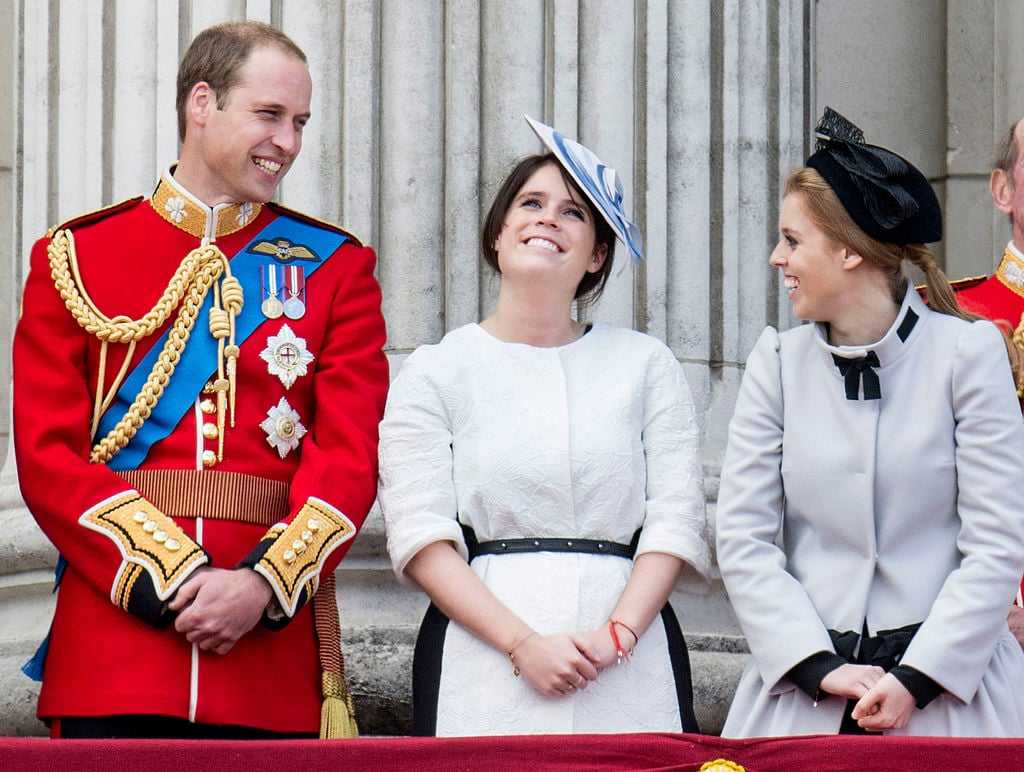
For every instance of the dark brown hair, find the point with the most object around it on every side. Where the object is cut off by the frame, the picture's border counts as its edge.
(217, 55)
(592, 284)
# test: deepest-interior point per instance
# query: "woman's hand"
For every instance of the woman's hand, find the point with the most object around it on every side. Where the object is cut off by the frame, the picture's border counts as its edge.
(887, 705)
(553, 664)
(597, 645)
(853, 681)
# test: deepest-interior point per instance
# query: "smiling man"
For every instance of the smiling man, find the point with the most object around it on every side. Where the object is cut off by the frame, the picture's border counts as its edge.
(199, 377)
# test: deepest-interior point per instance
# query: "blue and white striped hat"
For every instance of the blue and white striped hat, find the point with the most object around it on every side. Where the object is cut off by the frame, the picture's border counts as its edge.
(599, 182)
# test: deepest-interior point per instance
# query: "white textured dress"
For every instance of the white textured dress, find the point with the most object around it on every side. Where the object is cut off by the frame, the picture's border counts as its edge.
(593, 439)
(893, 511)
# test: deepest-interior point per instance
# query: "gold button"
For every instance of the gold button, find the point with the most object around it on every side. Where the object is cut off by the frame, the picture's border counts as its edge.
(289, 557)
(160, 536)
(210, 431)
(299, 546)
(209, 458)
(140, 517)
(307, 536)
(173, 545)
(149, 526)
(313, 524)
(221, 384)
(208, 406)
(208, 387)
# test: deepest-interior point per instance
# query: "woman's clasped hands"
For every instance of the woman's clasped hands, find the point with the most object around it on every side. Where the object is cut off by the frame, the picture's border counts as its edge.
(558, 664)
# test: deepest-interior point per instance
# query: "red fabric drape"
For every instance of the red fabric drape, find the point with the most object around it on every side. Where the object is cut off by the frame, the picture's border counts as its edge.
(545, 752)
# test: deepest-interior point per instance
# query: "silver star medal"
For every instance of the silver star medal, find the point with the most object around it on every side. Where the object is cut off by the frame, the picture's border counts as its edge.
(286, 356)
(283, 428)
(272, 307)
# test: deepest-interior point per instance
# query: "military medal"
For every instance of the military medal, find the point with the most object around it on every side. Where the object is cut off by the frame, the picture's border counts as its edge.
(286, 356)
(283, 428)
(272, 307)
(295, 286)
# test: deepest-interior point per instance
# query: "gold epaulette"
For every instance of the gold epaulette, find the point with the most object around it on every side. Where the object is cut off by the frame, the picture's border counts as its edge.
(315, 221)
(95, 215)
(967, 282)
(957, 285)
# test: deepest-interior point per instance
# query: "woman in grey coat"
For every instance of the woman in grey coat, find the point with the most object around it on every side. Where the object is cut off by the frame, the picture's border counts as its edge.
(869, 527)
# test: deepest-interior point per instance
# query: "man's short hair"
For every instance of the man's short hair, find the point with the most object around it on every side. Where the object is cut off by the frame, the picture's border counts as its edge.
(1007, 152)
(217, 55)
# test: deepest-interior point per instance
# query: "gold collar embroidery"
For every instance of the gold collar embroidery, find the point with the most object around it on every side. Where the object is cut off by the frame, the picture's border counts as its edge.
(1011, 272)
(174, 204)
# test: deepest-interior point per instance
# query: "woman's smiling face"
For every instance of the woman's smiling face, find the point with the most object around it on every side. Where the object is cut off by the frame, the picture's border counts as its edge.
(549, 232)
(811, 264)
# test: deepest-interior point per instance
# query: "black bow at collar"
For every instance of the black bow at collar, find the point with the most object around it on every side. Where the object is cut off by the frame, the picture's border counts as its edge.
(859, 370)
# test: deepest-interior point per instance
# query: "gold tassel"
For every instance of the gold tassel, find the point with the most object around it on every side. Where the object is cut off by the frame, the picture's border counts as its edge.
(338, 712)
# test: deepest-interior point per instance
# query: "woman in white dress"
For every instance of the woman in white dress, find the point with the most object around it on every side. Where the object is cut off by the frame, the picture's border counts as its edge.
(869, 522)
(541, 480)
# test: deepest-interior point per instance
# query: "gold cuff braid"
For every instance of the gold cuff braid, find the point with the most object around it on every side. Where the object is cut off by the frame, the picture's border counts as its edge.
(293, 562)
(148, 538)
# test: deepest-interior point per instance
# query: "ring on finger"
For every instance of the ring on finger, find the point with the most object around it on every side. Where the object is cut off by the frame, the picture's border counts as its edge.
(579, 681)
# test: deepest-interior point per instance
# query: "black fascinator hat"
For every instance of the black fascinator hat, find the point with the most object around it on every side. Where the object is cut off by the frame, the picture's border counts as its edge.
(884, 193)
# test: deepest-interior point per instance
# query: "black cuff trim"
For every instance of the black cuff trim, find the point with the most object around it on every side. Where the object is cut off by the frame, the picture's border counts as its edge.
(808, 674)
(144, 604)
(922, 687)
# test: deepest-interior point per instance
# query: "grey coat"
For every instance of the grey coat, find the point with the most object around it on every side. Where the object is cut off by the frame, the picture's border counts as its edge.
(836, 513)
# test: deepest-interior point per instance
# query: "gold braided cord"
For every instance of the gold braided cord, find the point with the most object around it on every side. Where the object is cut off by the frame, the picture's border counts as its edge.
(66, 278)
(1017, 357)
(196, 274)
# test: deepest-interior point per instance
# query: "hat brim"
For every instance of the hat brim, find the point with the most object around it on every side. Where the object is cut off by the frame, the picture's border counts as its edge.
(579, 161)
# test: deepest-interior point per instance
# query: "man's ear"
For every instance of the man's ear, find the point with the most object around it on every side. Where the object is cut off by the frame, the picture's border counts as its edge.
(202, 100)
(1001, 188)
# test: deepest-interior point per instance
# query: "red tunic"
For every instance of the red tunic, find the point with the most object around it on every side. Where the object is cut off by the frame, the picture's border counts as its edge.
(1000, 297)
(106, 654)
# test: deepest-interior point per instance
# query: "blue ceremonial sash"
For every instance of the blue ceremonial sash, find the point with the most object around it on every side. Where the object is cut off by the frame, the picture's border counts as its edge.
(198, 361)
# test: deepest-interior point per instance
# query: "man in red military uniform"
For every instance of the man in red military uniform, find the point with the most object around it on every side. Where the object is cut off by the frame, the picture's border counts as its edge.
(198, 381)
(1000, 297)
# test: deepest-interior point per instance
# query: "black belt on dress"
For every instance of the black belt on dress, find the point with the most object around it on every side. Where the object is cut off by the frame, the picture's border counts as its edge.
(511, 546)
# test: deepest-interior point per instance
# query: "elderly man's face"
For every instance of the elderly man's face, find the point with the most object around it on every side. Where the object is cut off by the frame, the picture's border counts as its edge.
(1008, 189)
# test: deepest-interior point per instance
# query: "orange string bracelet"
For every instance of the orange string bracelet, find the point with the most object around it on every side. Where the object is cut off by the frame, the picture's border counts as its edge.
(636, 638)
(619, 651)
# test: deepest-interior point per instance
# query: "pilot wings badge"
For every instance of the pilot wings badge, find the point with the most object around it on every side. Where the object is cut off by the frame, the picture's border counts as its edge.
(284, 251)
